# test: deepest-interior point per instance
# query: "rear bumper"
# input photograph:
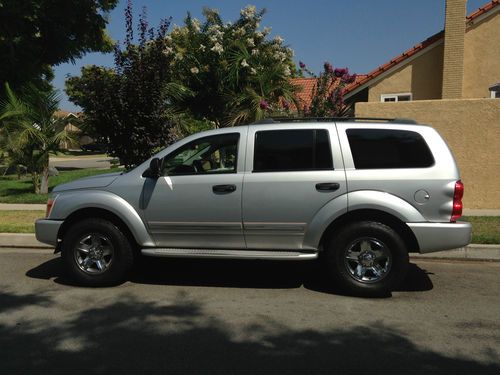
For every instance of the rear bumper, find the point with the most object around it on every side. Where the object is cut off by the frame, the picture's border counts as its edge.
(46, 230)
(441, 236)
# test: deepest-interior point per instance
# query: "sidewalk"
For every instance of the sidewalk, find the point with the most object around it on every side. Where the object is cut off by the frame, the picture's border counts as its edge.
(470, 252)
(27, 206)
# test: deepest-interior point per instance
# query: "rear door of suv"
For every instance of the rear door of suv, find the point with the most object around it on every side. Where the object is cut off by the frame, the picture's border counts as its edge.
(291, 172)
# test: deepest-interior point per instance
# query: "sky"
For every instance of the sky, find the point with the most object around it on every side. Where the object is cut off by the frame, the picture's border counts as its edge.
(358, 34)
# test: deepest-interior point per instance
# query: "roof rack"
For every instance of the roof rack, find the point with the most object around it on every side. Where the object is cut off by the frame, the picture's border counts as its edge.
(275, 120)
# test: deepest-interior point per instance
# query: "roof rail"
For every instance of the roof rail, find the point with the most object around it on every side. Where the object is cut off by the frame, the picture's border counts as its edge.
(276, 120)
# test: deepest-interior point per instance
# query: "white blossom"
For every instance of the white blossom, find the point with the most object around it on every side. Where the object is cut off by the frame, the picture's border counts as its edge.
(195, 70)
(217, 48)
(244, 63)
(168, 38)
(178, 56)
(248, 12)
(255, 52)
(259, 35)
(196, 25)
(168, 51)
(250, 42)
(278, 39)
(266, 30)
(287, 71)
(253, 71)
(202, 47)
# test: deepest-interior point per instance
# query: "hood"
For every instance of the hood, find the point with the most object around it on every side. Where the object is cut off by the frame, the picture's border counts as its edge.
(98, 181)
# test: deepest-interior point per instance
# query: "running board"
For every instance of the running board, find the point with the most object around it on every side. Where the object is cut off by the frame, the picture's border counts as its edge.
(230, 254)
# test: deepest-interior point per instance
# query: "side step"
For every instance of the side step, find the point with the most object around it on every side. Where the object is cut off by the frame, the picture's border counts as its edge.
(229, 254)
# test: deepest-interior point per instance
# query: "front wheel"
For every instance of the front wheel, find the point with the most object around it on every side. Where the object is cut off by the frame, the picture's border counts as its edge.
(367, 258)
(95, 252)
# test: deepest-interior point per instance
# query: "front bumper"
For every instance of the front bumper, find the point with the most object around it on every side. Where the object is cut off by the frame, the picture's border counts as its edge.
(441, 236)
(46, 230)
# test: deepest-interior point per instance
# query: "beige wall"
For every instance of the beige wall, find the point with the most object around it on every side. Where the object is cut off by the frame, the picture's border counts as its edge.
(422, 77)
(472, 130)
(482, 57)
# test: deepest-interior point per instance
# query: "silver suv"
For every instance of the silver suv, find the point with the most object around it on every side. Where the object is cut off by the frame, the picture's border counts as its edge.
(358, 193)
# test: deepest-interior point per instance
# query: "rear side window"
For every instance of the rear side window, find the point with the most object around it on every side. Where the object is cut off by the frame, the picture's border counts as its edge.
(384, 148)
(292, 150)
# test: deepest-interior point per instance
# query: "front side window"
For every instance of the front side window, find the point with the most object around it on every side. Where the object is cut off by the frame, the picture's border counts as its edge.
(385, 148)
(208, 155)
(292, 150)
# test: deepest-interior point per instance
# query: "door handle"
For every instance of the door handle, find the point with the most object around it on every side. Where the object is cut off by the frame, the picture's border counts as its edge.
(327, 186)
(223, 189)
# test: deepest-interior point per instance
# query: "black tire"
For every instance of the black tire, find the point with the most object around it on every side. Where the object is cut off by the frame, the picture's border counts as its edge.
(381, 259)
(110, 240)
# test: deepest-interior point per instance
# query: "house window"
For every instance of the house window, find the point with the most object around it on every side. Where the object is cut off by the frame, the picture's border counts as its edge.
(406, 97)
(495, 91)
(495, 94)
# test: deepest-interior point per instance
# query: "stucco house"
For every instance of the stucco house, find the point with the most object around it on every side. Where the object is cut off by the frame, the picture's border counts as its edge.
(460, 62)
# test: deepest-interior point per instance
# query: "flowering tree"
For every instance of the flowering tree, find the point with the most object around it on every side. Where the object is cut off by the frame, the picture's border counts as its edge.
(327, 98)
(232, 71)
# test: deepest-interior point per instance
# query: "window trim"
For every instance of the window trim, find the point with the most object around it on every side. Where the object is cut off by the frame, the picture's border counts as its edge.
(395, 96)
(295, 170)
(181, 148)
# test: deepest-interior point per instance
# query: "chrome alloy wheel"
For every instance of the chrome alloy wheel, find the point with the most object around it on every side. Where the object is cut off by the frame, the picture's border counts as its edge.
(94, 253)
(368, 260)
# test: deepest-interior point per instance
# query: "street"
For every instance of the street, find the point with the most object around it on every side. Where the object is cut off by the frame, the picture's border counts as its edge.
(253, 317)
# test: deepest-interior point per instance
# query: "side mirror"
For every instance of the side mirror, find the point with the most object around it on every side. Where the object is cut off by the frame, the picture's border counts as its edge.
(154, 169)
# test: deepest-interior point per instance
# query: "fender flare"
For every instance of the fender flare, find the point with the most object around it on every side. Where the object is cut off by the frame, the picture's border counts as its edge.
(354, 201)
(73, 201)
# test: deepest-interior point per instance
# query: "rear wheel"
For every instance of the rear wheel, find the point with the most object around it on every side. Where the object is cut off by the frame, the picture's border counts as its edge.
(367, 258)
(96, 252)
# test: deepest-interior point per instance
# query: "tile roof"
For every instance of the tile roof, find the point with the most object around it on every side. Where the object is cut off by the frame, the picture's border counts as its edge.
(306, 86)
(419, 47)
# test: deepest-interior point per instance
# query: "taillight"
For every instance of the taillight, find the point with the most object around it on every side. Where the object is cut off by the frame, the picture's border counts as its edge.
(50, 203)
(457, 201)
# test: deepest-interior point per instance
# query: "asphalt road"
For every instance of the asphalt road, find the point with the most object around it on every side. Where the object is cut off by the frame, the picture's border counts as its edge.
(236, 317)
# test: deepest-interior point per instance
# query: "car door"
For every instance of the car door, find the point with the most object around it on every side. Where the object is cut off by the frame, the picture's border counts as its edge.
(291, 174)
(196, 203)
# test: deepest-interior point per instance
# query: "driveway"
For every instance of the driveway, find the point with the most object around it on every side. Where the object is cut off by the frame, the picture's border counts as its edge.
(236, 317)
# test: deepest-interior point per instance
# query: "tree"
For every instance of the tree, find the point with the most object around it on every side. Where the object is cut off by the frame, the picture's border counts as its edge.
(29, 124)
(232, 71)
(327, 98)
(127, 106)
(37, 34)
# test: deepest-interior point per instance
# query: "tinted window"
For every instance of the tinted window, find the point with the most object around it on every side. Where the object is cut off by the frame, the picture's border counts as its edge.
(215, 154)
(292, 150)
(380, 148)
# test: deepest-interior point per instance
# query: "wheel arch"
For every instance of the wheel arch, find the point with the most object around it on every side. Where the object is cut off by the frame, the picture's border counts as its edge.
(372, 215)
(97, 212)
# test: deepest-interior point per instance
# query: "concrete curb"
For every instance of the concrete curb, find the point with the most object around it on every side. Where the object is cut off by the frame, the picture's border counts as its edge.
(470, 252)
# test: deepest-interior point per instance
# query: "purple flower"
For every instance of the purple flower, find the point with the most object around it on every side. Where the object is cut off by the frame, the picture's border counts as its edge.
(339, 72)
(302, 65)
(328, 67)
(264, 105)
(286, 105)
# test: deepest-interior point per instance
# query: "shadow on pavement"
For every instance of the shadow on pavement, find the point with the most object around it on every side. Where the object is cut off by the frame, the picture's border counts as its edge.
(232, 274)
(131, 336)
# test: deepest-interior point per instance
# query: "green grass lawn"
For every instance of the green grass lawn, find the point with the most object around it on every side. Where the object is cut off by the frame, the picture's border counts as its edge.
(485, 229)
(13, 190)
(19, 221)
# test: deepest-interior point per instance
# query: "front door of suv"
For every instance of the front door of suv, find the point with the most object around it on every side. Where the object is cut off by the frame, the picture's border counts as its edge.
(291, 173)
(197, 201)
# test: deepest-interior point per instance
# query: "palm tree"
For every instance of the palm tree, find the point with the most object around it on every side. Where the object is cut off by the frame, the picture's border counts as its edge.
(29, 124)
(251, 97)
